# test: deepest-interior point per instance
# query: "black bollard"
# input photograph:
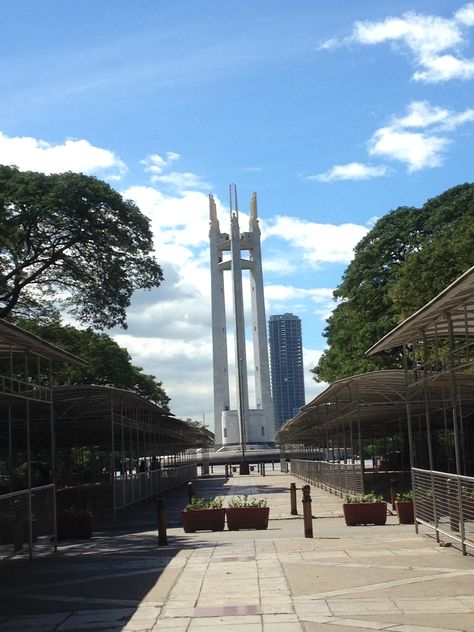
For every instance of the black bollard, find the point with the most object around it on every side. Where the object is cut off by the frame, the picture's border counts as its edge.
(307, 513)
(294, 511)
(161, 522)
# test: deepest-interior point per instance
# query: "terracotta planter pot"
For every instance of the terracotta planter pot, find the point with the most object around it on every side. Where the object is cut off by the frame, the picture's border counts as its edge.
(365, 513)
(74, 527)
(405, 511)
(203, 520)
(247, 518)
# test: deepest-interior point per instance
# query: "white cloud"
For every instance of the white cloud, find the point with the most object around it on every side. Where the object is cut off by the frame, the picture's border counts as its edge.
(350, 171)
(176, 221)
(317, 242)
(289, 292)
(182, 181)
(310, 360)
(444, 68)
(466, 14)
(418, 138)
(30, 154)
(416, 149)
(433, 41)
(177, 181)
(154, 163)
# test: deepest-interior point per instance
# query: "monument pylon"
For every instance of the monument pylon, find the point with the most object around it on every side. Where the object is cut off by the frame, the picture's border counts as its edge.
(244, 424)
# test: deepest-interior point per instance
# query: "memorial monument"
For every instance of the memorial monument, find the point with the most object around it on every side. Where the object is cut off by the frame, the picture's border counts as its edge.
(244, 425)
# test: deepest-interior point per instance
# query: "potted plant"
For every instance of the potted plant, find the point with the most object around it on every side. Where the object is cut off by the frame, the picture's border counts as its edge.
(246, 512)
(74, 523)
(404, 507)
(203, 515)
(366, 509)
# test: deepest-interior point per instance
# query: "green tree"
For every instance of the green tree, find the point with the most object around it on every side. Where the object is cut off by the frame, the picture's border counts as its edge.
(71, 241)
(205, 436)
(109, 364)
(408, 257)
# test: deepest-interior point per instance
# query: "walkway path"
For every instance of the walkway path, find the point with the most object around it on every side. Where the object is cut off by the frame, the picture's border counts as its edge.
(344, 579)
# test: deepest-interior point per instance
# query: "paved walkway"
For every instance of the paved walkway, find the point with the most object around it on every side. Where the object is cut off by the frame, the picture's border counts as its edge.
(344, 579)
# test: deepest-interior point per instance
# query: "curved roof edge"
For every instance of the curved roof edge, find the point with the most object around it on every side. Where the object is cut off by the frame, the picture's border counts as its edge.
(454, 295)
(23, 340)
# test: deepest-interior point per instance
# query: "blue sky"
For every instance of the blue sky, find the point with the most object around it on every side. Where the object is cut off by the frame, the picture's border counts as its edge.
(334, 112)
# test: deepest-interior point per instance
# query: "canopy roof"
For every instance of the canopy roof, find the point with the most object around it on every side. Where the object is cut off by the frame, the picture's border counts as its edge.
(18, 339)
(85, 411)
(376, 400)
(431, 320)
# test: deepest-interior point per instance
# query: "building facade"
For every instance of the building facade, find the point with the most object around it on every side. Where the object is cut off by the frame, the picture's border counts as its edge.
(243, 424)
(287, 374)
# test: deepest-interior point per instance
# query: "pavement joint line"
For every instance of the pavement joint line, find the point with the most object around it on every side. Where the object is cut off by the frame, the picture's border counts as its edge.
(316, 562)
(391, 584)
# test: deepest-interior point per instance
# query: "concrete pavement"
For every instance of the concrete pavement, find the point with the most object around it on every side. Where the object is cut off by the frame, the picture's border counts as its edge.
(344, 579)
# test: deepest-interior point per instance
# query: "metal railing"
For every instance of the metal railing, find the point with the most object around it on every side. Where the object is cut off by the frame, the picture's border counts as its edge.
(445, 502)
(133, 488)
(27, 520)
(343, 478)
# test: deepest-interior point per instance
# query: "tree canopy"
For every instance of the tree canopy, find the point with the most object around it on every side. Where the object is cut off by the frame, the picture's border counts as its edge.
(408, 257)
(70, 241)
(109, 364)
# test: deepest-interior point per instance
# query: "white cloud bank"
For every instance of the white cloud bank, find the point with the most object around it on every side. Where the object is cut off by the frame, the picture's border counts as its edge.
(418, 139)
(30, 154)
(178, 181)
(434, 42)
(350, 171)
(317, 243)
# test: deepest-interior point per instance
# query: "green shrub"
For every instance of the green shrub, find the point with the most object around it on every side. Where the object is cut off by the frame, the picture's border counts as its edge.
(247, 501)
(371, 497)
(202, 503)
(404, 496)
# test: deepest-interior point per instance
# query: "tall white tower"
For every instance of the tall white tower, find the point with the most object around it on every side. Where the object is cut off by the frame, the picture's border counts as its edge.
(243, 425)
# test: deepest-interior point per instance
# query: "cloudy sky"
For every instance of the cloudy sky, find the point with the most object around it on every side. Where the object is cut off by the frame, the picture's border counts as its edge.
(335, 112)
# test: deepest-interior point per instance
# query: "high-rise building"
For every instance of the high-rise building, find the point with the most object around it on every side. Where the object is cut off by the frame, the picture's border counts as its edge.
(286, 361)
(244, 424)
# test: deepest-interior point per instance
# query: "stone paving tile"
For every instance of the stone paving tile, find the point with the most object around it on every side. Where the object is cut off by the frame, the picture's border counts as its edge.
(227, 620)
(277, 608)
(364, 625)
(170, 612)
(362, 606)
(281, 627)
(315, 607)
(179, 624)
(412, 605)
(279, 618)
(420, 628)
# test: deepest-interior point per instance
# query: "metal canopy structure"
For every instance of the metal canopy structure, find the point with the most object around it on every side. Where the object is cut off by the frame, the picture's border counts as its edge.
(377, 399)
(431, 321)
(116, 448)
(438, 346)
(27, 453)
(17, 340)
(84, 411)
